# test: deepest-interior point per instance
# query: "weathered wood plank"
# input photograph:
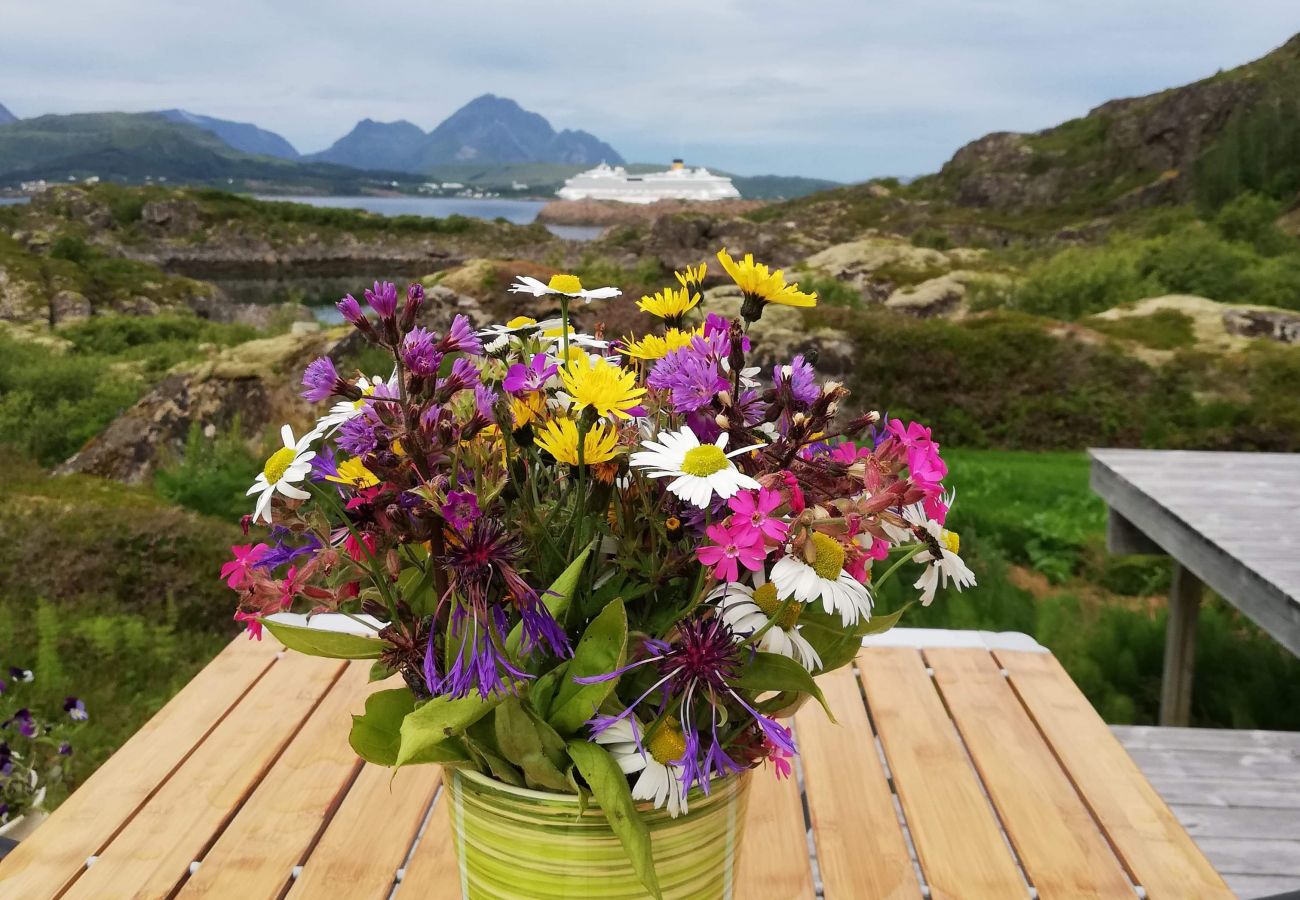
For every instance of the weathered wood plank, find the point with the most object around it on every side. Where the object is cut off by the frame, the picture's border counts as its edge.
(152, 854)
(860, 846)
(1253, 856)
(1180, 646)
(957, 837)
(1237, 793)
(1059, 844)
(1218, 821)
(774, 859)
(1251, 887)
(369, 837)
(46, 862)
(1225, 765)
(273, 831)
(1156, 851)
(1152, 737)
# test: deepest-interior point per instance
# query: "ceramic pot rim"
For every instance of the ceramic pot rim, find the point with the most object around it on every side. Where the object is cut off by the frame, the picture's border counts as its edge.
(526, 793)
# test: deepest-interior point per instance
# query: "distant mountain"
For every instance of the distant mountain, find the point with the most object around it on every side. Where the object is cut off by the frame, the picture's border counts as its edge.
(488, 130)
(779, 187)
(6, 116)
(136, 146)
(240, 135)
(378, 145)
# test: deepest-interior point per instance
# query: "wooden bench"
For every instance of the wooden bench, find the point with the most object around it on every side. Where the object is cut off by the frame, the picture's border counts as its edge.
(971, 771)
(1228, 520)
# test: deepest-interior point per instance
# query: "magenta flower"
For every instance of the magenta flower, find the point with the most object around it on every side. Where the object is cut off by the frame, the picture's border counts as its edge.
(926, 468)
(419, 354)
(729, 548)
(238, 573)
(383, 299)
(909, 435)
(460, 338)
(319, 380)
(351, 310)
(252, 624)
(529, 379)
(753, 521)
(460, 510)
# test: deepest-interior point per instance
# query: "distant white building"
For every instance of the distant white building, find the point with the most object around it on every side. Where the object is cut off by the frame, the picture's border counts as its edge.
(677, 183)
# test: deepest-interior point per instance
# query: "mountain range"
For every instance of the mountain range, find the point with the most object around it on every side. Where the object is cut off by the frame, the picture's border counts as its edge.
(6, 116)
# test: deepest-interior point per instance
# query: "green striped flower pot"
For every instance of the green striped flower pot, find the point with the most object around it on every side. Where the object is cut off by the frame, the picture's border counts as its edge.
(518, 844)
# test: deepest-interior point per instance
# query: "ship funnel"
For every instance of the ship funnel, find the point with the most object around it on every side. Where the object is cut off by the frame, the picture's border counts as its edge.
(678, 164)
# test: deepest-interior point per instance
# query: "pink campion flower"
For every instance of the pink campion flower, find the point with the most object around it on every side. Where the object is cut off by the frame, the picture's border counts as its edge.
(290, 587)
(729, 548)
(753, 520)
(460, 510)
(529, 379)
(780, 759)
(797, 504)
(847, 453)
(238, 573)
(354, 548)
(936, 506)
(927, 469)
(251, 624)
(911, 434)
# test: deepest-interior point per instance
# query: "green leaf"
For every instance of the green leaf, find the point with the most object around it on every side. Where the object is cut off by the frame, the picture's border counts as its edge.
(609, 786)
(542, 691)
(318, 642)
(433, 723)
(602, 649)
(837, 645)
(376, 734)
(556, 598)
(379, 671)
(520, 740)
(774, 672)
(415, 586)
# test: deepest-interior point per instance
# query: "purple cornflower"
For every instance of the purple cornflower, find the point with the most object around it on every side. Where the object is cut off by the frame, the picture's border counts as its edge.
(282, 553)
(460, 510)
(75, 709)
(383, 299)
(319, 380)
(460, 338)
(485, 399)
(419, 354)
(414, 300)
(698, 667)
(358, 436)
(531, 378)
(691, 376)
(324, 464)
(798, 379)
(351, 310)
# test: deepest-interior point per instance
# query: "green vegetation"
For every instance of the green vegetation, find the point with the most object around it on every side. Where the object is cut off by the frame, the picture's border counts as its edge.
(211, 476)
(222, 206)
(1165, 329)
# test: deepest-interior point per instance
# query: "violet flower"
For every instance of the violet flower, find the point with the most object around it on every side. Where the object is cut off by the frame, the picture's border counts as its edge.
(531, 378)
(460, 338)
(460, 510)
(419, 354)
(351, 310)
(383, 299)
(799, 379)
(319, 379)
(75, 709)
(691, 376)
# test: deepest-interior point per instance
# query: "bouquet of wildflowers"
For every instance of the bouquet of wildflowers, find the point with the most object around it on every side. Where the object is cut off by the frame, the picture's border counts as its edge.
(599, 565)
(34, 752)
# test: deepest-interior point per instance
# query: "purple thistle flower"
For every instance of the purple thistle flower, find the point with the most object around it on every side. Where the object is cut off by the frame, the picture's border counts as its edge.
(460, 510)
(419, 354)
(319, 379)
(460, 338)
(485, 399)
(464, 374)
(691, 376)
(531, 378)
(799, 379)
(75, 709)
(351, 310)
(383, 299)
(358, 436)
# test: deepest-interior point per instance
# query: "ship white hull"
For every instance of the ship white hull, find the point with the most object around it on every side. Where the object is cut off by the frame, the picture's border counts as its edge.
(606, 183)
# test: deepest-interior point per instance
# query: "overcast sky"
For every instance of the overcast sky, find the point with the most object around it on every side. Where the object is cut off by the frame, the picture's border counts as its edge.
(844, 89)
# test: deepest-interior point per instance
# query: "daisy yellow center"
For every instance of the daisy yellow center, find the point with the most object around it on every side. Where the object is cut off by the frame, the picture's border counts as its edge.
(830, 556)
(668, 743)
(278, 464)
(765, 599)
(565, 284)
(951, 540)
(520, 322)
(704, 461)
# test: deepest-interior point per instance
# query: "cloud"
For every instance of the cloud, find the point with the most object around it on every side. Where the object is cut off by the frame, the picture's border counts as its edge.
(840, 88)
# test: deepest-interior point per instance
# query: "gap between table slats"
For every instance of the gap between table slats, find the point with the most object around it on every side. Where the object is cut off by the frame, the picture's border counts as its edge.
(45, 864)
(1154, 848)
(152, 854)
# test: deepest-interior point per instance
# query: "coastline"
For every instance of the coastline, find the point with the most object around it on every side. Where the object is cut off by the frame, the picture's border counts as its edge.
(613, 212)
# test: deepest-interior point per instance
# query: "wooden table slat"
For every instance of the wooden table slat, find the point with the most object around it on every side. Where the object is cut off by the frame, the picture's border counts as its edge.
(255, 855)
(433, 872)
(369, 837)
(860, 846)
(152, 854)
(957, 836)
(46, 862)
(774, 860)
(1059, 844)
(1158, 853)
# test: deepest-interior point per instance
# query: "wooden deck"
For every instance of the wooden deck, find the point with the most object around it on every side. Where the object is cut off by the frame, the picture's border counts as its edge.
(1236, 792)
(1229, 520)
(964, 772)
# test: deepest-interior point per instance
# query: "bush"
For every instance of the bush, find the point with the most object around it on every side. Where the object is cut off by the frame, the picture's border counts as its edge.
(212, 475)
(1082, 280)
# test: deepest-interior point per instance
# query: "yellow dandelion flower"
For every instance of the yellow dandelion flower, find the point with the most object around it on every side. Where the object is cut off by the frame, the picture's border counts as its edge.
(527, 409)
(354, 473)
(762, 286)
(652, 346)
(669, 304)
(692, 276)
(594, 382)
(559, 437)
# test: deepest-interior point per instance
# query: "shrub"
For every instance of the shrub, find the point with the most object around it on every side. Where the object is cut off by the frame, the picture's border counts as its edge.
(1164, 329)
(1082, 280)
(212, 475)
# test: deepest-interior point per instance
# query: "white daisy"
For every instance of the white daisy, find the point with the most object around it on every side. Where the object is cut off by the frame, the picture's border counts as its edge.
(946, 566)
(698, 470)
(344, 410)
(497, 337)
(287, 465)
(824, 577)
(747, 608)
(661, 780)
(564, 285)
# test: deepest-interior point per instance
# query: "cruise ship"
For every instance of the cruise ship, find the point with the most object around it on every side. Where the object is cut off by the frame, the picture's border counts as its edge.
(678, 183)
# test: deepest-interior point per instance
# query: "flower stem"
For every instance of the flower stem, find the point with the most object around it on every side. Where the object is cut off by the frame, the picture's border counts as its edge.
(877, 582)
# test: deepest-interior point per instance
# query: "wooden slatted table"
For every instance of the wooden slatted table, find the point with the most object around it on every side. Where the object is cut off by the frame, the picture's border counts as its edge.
(961, 772)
